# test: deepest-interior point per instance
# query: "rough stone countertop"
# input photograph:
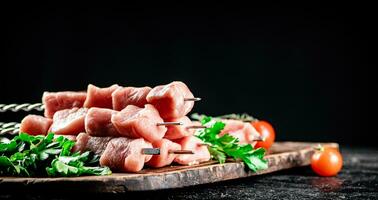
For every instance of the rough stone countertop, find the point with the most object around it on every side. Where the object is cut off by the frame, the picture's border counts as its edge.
(357, 180)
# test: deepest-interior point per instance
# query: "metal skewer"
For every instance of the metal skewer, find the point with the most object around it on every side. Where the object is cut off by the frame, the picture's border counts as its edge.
(259, 139)
(181, 152)
(11, 130)
(24, 107)
(146, 151)
(196, 127)
(179, 124)
(9, 127)
(169, 123)
(156, 151)
(4, 125)
(14, 107)
(193, 99)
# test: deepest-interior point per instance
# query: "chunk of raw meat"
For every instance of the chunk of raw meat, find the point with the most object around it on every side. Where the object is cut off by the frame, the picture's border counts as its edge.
(118, 153)
(85, 142)
(165, 158)
(99, 97)
(169, 99)
(69, 121)
(123, 97)
(135, 122)
(98, 122)
(252, 133)
(125, 155)
(177, 132)
(55, 101)
(244, 131)
(35, 125)
(201, 153)
(81, 142)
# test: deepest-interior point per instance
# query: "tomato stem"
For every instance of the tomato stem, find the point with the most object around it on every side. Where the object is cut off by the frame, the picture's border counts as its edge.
(319, 148)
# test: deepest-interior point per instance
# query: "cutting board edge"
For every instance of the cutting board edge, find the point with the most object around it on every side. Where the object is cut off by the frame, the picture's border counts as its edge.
(183, 177)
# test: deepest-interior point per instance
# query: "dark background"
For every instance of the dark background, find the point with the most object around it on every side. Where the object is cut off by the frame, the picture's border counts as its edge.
(306, 70)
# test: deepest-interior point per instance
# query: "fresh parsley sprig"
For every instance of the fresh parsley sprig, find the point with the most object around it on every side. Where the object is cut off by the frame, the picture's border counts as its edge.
(221, 147)
(27, 155)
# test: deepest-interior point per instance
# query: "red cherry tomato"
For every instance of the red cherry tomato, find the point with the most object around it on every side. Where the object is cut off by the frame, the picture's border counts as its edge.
(326, 161)
(266, 131)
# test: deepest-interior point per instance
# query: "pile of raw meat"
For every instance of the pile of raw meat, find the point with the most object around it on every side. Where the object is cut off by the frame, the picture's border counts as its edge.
(118, 122)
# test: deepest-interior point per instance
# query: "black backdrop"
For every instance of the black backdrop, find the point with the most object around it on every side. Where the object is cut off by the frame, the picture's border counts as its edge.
(302, 69)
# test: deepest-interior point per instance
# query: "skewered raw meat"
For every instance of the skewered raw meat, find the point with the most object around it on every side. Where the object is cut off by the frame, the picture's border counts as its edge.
(69, 121)
(86, 142)
(99, 97)
(170, 99)
(177, 132)
(252, 133)
(245, 132)
(165, 158)
(125, 155)
(54, 101)
(123, 97)
(118, 153)
(135, 122)
(98, 122)
(201, 153)
(35, 125)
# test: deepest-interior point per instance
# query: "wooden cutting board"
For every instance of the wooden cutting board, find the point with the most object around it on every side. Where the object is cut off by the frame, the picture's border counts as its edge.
(283, 155)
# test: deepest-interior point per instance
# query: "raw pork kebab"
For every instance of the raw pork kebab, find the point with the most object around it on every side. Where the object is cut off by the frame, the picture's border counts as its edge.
(122, 123)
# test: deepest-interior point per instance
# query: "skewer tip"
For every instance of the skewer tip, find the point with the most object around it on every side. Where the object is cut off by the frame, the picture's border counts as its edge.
(196, 127)
(181, 151)
(193, 99)
(259, 139)
(156, 151)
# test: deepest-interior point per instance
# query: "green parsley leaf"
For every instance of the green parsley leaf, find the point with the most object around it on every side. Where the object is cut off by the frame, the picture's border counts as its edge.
(224, 146)
(27, 155)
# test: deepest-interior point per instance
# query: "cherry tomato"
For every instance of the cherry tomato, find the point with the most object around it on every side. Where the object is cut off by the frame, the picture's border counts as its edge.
(326, 161)
(266, 131)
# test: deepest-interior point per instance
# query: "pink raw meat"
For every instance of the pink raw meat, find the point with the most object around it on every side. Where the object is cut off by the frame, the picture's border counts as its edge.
(244, 131)
(123, 97)
(201, 153)
(135, 122)
(69, 121)
(165, 158)
(98, 122)
(35, 125)
(169, 99)
(99, 97)
(251, 133)
(55, 101)
(85, 142)
(125, 155)
(177, 132)
(118, 153)
(81, 142)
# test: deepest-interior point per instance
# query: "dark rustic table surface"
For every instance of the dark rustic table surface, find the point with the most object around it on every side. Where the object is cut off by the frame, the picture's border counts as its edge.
(357, 180)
